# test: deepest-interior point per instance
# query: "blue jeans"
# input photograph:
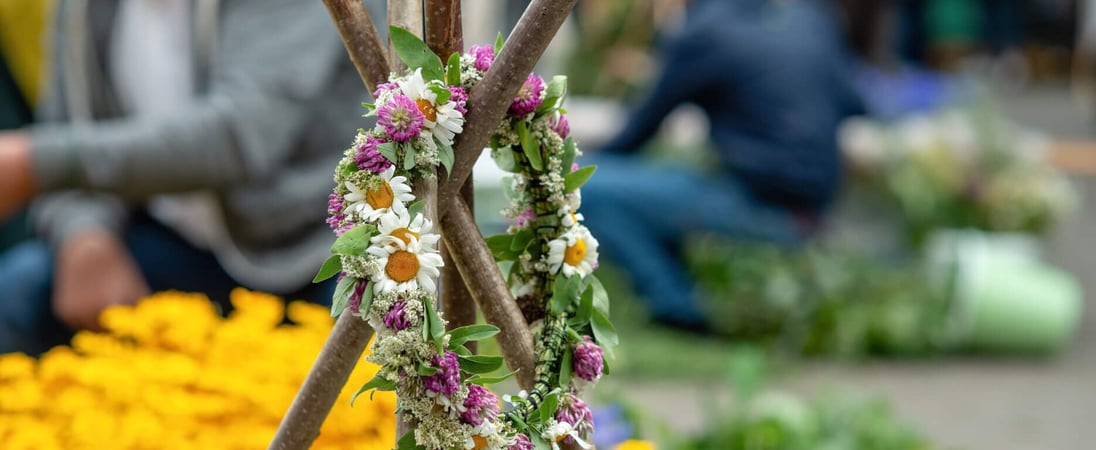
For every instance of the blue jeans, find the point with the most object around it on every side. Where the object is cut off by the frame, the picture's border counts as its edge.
(641, 213)
(167, 262)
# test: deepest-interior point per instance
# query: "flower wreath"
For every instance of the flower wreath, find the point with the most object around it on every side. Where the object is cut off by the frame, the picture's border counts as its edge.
(388, 258)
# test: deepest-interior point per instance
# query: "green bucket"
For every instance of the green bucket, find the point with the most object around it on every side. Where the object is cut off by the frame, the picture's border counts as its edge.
(1005, 299)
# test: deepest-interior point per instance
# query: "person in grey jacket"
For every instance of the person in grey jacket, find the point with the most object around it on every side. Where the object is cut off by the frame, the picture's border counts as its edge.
(184, 144)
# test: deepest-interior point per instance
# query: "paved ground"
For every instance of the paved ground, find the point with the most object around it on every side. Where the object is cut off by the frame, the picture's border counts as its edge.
(973, 403)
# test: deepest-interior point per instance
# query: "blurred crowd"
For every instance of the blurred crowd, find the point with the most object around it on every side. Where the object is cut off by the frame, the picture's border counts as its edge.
(183, 145)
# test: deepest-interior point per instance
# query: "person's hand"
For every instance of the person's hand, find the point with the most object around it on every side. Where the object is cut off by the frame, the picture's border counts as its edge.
(16, 173)
(94, 271)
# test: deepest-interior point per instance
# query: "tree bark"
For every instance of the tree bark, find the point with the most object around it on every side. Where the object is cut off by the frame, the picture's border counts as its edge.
(484, 280)
(344, 347)
(363, 44)
(490, 99)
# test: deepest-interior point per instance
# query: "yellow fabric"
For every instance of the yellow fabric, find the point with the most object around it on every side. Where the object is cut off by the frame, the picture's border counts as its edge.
(22, 24)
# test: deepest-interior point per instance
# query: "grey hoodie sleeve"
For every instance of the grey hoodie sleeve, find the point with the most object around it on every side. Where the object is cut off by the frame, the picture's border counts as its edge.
(272, 58)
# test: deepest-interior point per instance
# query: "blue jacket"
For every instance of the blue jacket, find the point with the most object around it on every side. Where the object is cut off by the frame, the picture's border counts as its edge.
(772, 78)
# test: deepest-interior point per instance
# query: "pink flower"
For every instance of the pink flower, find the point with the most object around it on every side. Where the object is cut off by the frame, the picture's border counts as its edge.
(561, 126)
(481, 404)
(458, 96)
(335, 213)
(529, 97)
(368, 158)
(521, 442)
(485, 56)
(401, 118)
(396, 318)
(588, 360)
(575, 412)
(447, 381)
(384, 88)
(526, 216)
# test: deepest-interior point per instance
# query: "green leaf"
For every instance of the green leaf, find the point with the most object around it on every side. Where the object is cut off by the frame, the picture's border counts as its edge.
(378, 383)
(458, 336)
(601, 298)
(504, 159)
(546, 410)
(434, 330)
(416, 207)
(425, 370)
(555, 91)
(499, 41)
(354, 241)
(604, 333)
(564, 293)
(331, 267)
(576, 179)
(445, 154)
(566, 366)
(368, 105)
(407, 442)
(452, 77)
(585, 308)
(343, 290)
(480, 364)
(500, 247)
(346, 169)
(530, 147)
(441, 92)
(521, 240)
(409, 159)
(414, 52)
(538, 442)
(367, 297)
(569, 152)
(483, 381)
(388, 150)
(461, 351)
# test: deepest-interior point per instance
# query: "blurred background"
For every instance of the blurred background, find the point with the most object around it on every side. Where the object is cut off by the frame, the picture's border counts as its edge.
(939, 298)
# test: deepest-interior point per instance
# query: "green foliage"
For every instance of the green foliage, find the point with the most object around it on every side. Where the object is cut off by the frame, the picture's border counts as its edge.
(331, 267)
(343, 290)
(388, 150)
(553, 95)
(480, 364)
(485, 380)
(354, 241)
(499, 41)
(378, 383)
(407, 442)
(452, 75)
(469, 333)
(564, 293)
(530, 147)
(576, 179)
(433, 330)
(415, 53)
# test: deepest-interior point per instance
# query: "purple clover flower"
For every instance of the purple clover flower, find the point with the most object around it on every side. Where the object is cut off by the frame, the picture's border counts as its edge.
(561, 126)
(368, 158)
(335, 212)
(588, 360)
(355, 300)
(575, 412)
(482, 404)
(458, 96)
(529, 96)
(521, 442)
(447, 381)
(485, 56)
(396, 318)
(401, 118)
(526, 216)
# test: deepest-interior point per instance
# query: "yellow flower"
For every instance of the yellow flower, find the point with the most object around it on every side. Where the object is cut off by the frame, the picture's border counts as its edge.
(633, 444)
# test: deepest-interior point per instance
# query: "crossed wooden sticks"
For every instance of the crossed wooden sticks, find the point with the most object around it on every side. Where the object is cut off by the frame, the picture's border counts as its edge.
(469, 258)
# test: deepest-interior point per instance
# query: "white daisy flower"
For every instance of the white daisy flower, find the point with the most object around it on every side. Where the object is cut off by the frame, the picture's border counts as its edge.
(405, 266)
(556, 432)
(575, 251)
(485, 437)
(397, 225)
(442, 121)
(370, 205)
(569, 217)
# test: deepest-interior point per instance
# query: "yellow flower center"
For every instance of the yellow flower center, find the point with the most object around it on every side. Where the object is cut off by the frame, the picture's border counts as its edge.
(480, 442)
(427, 109)
(381, 197)
(575, 253)
(402, 266)
(404, 235)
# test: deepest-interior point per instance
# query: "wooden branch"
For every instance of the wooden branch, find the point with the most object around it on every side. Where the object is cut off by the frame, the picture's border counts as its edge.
(489, 100)
(361, 39)
(301, 424)
(489, 289)
(456, 300)
(444, 33)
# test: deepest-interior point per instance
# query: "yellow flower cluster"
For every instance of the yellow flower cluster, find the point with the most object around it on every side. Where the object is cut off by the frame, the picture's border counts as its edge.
(172, 374)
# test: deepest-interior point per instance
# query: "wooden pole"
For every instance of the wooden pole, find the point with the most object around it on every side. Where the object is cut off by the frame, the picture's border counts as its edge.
(444, 35)
(301, 424)
(363, 44)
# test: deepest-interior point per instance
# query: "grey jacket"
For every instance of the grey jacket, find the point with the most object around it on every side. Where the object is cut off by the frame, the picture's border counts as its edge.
(278, 102)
